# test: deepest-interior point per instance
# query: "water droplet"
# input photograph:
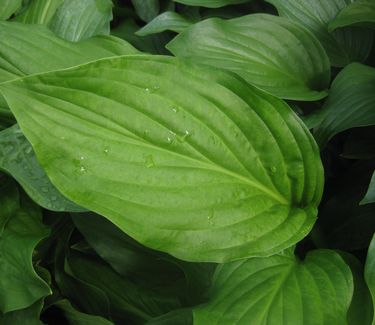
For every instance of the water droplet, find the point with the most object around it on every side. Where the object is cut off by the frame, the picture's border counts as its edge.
(82, 169)
(82, 158)
(169, 140)
(44, 189)
(146, 133)
(62, 138)
(106, 150)
(147, 90)
(175, 109)
(210, 217)
(53, 198)
(149, 161)
(183, 137)
(155, 88)
(273, 170)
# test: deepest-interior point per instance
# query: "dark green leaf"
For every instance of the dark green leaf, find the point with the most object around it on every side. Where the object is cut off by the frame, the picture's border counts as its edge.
(350, 103)
(280, 290)
(18, 159)
(146, 10)
(20, 286)
(342, 46)
(27, 316)
(179, 167)
(358, 13)
(370, 195)
(270, 52)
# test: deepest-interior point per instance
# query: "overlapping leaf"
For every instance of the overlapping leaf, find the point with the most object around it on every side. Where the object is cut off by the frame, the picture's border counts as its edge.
(342, 46)
(270, 52)
(18, 159)
(350, 103)
(39, 12)
(280, 290)
(20, 286)
(8, 8)
(206, 174)
(358, 13)
(211, 3)
(370, 271)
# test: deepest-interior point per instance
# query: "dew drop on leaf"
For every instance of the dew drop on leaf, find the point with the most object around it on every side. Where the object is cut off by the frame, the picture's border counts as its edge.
(149, 161)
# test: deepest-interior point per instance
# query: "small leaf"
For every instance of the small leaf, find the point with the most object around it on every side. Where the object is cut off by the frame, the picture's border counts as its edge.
(350, 103)
(210, 173)
(280, 289)
(211, 3)
(359, 13)
(370, 195)
(8, 8)
(370, 271)
(77, 20)
(342, 46)
(39, 12)
(20, 286)
(18, 159)
(168, 20)
(270, 52)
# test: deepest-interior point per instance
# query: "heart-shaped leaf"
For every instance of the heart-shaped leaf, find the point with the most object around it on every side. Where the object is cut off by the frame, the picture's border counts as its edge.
(280, 290)
(270, 52)
(211, 173)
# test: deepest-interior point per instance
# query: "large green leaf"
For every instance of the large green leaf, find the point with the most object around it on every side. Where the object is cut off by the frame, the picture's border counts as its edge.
(77, 20)
(270, 52)
(211, 3)
(211, 173)
(280, 290)
(18, 159)
(39, 12)
(20, 286)
(370, 194)
(168, 20)
(358, 13)
(370, 271)
(8, 8)
(342, 46)
(350, 103)
(28, 49)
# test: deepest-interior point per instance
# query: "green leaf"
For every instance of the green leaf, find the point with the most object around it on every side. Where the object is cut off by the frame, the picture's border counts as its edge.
(20, 286)
(342, 46)
(77, 20)
(9, 201)
(146, 10)
(211, 3)
(39, 12)
(370, 195)
(24, 48)
(175, 317)
(8, 8)
(280, 290)
(124, 296)
(210, 173)
(168, 20)
(350, 103)
(359, 13)
(75, 317)
(27, 316)
(270, 52)
(361, 310)
(370, 271)
(18, 159)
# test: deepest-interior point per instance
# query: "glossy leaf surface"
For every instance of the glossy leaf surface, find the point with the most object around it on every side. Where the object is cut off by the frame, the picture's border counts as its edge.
(270, 52)
(342, 46)
(280, 290)
(176, 166)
